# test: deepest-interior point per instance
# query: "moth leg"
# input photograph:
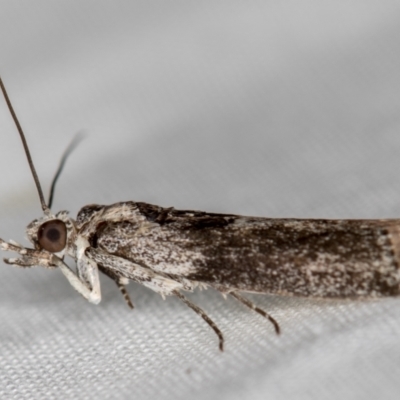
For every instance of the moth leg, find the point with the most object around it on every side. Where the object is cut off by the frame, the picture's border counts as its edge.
(120, 283)
(251, 305)
(125, 294)
(90, 292)
(203, 315)
(157, 282)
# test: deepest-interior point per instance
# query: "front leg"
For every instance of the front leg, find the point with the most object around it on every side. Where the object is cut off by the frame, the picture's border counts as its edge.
(90, 293)
(87, 281)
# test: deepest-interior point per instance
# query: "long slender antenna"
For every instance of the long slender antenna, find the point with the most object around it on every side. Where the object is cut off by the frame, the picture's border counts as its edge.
(27, 152)
(71, 147)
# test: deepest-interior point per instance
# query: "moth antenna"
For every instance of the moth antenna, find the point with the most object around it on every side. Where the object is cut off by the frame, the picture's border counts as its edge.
(45, 208)
(71, 147)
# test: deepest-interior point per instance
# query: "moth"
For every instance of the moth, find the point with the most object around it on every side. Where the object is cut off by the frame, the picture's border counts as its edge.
(173, 251)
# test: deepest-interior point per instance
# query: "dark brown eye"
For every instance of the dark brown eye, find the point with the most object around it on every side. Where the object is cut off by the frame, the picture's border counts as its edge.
(52, 236)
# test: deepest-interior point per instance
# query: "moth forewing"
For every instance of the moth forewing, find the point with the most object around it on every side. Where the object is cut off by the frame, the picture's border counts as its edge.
(319, 258)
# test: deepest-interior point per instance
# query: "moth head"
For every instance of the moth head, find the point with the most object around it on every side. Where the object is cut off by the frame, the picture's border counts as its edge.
(51, 233)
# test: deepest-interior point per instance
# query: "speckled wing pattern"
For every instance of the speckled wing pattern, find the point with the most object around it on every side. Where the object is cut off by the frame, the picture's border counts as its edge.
(320, 258)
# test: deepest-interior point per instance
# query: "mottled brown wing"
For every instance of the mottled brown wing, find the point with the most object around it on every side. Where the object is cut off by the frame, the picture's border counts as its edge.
(324, 258)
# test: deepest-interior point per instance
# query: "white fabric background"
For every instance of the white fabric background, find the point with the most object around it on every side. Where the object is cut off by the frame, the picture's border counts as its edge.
(278, 109)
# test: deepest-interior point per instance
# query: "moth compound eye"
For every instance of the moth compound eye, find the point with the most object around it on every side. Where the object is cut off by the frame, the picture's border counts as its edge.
(52, 236)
